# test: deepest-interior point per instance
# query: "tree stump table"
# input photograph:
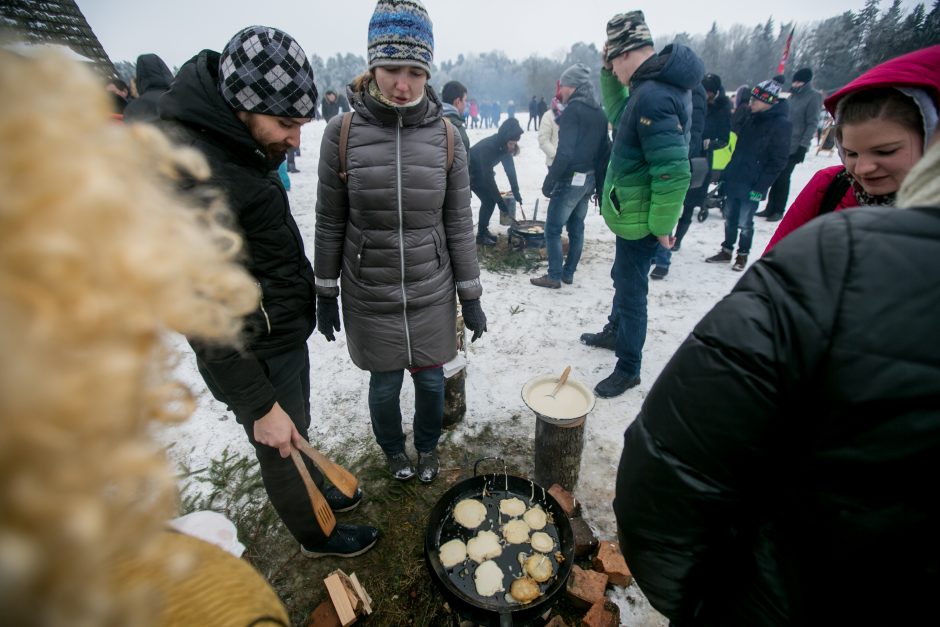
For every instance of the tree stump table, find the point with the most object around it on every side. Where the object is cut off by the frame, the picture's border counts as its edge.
(558, 448)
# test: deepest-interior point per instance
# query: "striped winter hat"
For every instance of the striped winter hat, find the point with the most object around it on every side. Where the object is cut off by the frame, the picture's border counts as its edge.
(263, 70)
(400, 34)
(768, 91)
(626, 32)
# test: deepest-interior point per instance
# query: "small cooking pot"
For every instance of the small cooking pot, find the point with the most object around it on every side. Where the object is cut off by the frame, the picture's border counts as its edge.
(460, 591)
(527, 234)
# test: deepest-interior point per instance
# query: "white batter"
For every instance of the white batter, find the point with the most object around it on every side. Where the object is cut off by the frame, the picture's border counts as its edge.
(512, 507)
(516, 531)
(488, 579)
(484, 546)
(470, 513)
(453, 552)
(570, 401)
(536, 518)
(542, 542)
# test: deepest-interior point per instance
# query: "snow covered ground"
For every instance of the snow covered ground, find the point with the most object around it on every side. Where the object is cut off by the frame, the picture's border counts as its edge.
(540, 338)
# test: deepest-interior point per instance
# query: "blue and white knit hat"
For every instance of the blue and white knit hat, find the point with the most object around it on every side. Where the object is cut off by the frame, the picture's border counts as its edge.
(401, 34)
(263, 70)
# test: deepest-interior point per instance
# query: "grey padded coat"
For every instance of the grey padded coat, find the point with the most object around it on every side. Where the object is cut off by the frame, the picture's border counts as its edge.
(398, 234)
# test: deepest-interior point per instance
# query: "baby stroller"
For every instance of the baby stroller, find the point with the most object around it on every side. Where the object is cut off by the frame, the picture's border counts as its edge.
(714, 199)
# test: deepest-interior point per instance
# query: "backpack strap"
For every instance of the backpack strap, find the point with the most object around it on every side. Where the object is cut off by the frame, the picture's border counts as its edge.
(343, 140)
(450, 142)
(835, 192)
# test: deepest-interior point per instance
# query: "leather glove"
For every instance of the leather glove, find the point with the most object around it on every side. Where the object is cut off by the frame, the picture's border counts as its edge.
(474, 318)
(756, 196)
(800, 154)
(547, 189)
(327, 317)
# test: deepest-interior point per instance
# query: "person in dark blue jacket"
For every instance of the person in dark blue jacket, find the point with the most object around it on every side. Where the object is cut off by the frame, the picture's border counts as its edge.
(485, 154)
(576, 173)
(759, 156)
(153, 79)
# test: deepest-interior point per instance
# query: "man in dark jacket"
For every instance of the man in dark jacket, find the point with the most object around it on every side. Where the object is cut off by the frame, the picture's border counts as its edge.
(153, 78)
(647, 176)
(715, 136)
(533, 114)
(804, 104)
(486, 153)
(759, 156)
(765, 500)
(576, 174)
(332, 105)
(223, 106)
(454, 97)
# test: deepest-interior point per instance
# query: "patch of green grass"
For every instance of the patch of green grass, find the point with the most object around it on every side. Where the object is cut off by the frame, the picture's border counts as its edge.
(394, 572)
(503, 259)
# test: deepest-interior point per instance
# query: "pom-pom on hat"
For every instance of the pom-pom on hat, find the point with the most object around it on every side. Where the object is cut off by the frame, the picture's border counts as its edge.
(401, 34)
(264, 70)
(768, 91)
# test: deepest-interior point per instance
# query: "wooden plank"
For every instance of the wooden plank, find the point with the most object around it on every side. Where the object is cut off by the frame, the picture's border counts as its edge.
(361, 593)
(344, 609)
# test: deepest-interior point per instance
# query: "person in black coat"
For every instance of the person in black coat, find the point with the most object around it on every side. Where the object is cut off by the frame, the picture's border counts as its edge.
(214, 106)
(153, 79)
(759, 156)
(485, 154)
(782, 470)
(715, 136)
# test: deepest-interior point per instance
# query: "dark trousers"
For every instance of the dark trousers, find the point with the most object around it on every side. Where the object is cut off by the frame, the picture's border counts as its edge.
(289, 373)
(385, 409)
(780, 190)
(533, 119)
(631, 285)
(488, 204)
(739, 217)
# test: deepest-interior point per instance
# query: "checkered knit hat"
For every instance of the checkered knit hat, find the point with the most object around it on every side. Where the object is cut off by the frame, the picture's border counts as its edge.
(400, 34)
(626, 32)
(263, 70)
(768, 91)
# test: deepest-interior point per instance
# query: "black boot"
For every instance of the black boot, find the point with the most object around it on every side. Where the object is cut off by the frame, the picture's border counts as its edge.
(607, 338)
(345, 541)
(615, 384)
(486, 239)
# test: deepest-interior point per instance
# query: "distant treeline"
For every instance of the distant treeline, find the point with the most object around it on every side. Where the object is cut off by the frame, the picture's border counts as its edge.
(837, 49)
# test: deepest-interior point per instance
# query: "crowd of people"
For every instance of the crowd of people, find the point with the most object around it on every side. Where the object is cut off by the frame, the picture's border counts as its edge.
(789, 444)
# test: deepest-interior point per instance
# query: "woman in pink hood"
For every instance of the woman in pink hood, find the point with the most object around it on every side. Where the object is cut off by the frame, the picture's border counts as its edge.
(883, 121)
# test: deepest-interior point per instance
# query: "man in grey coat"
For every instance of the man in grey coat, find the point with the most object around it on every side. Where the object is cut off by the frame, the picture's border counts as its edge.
(804, 103)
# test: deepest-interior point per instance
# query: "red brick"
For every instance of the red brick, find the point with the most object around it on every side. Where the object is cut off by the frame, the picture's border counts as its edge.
(586, 587)
(584, 539)
(609, 560)
(324, 616)
(557, 621)
(604, 614)
(566, 499)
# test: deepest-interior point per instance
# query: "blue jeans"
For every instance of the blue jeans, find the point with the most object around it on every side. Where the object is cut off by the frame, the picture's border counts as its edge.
(385, 409)
(631, 285)
(567, 208)
(739, 214)
(663, 257)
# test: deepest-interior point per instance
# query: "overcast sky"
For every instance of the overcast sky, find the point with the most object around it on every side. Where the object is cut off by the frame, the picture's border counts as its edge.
(177, 29)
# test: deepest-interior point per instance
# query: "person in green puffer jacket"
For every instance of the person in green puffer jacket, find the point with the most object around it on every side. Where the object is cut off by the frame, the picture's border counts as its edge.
(647, 177)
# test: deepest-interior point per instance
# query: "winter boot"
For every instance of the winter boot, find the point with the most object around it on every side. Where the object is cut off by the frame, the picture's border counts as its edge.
(605, 339)
(659, 273)
(428, 466)
(724, 256)
(739, 262)
(616, 384)
(486, 239)
(546, 281)
(345, 541)
(400, 466)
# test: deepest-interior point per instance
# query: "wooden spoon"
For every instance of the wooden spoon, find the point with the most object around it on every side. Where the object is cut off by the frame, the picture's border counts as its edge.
(561, 381)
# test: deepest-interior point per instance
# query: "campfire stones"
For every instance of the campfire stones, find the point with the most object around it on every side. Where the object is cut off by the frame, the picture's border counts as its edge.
(470, 513)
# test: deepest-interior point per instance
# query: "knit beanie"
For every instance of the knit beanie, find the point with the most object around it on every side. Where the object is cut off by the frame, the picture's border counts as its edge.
(768, 91)
(401, 34)
(803, 75)
(712, 83)
(575, 76)
(263, 70)
(626, 32)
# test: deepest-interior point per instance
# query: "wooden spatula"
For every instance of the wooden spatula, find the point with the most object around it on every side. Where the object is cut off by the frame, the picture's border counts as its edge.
(344, 480)
(561, 381)
(321, 509)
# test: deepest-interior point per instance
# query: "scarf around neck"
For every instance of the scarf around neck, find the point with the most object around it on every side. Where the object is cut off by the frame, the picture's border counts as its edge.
(376, 93)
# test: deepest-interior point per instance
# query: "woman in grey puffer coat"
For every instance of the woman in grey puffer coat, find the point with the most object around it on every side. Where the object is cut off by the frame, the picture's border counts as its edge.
(398, 235)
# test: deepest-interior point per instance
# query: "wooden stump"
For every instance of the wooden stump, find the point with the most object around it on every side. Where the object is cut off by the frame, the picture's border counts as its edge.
(455, 393)
(558, 453)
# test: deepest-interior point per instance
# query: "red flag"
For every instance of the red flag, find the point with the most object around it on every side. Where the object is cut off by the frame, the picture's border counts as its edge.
(786, 53)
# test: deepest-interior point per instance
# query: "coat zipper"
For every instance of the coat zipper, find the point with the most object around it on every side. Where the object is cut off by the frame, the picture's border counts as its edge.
(267, 320)
(401, 236)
